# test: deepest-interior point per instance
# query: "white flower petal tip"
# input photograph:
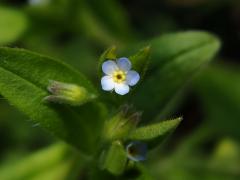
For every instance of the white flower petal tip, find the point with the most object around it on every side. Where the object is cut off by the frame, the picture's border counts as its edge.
(132, 78)
(119, 76)
(107, 83)
(121, 89)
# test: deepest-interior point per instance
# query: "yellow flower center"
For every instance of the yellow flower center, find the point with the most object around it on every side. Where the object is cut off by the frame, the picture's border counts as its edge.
(119, 76)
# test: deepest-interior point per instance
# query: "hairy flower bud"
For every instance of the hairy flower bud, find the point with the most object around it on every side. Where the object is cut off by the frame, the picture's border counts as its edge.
(120, 126)
(65, 93)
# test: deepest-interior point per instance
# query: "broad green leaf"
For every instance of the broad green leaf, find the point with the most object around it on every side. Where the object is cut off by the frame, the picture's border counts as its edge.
(39, 162)
(24, 77)
(116, 158)
(155, 133)
(219, 90)
(18, 135)
(13, 23)
(175, 58)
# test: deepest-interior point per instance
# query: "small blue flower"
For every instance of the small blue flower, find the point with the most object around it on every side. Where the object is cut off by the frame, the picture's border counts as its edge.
(136, 151)
(118, 76)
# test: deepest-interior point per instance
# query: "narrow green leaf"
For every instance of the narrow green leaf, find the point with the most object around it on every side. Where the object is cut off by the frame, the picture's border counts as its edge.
(175, 58)
(155, 133)
(24, 78)
(116, 158)
(13, 23)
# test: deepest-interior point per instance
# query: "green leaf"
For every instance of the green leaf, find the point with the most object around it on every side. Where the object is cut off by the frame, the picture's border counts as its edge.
(219, 91)
(116, 158)
(38, 162)
(155, 133)
(13, 23)
(175, 58)
(24, 78)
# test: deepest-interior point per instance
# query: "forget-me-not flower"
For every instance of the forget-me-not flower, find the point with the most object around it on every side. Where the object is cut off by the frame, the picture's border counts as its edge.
(118, 76)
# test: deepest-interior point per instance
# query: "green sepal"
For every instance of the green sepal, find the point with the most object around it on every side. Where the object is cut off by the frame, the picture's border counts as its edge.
(116, 158)
(119, 127)
(140, 60)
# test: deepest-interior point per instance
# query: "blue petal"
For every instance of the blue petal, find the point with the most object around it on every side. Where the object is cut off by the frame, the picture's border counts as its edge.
(132, 78)
(109, 67)
(136, 151)
(107, 83)
(124, 64)
(121, 88)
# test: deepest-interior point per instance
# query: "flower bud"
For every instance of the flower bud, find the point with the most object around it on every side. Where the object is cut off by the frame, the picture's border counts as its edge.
(120, 126)
(65, 93)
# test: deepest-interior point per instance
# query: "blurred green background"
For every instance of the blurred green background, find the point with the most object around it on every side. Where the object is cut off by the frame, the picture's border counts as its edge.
(207, 143)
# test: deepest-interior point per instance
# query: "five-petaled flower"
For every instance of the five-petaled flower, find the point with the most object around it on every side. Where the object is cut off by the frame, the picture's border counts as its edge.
(118, 76)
